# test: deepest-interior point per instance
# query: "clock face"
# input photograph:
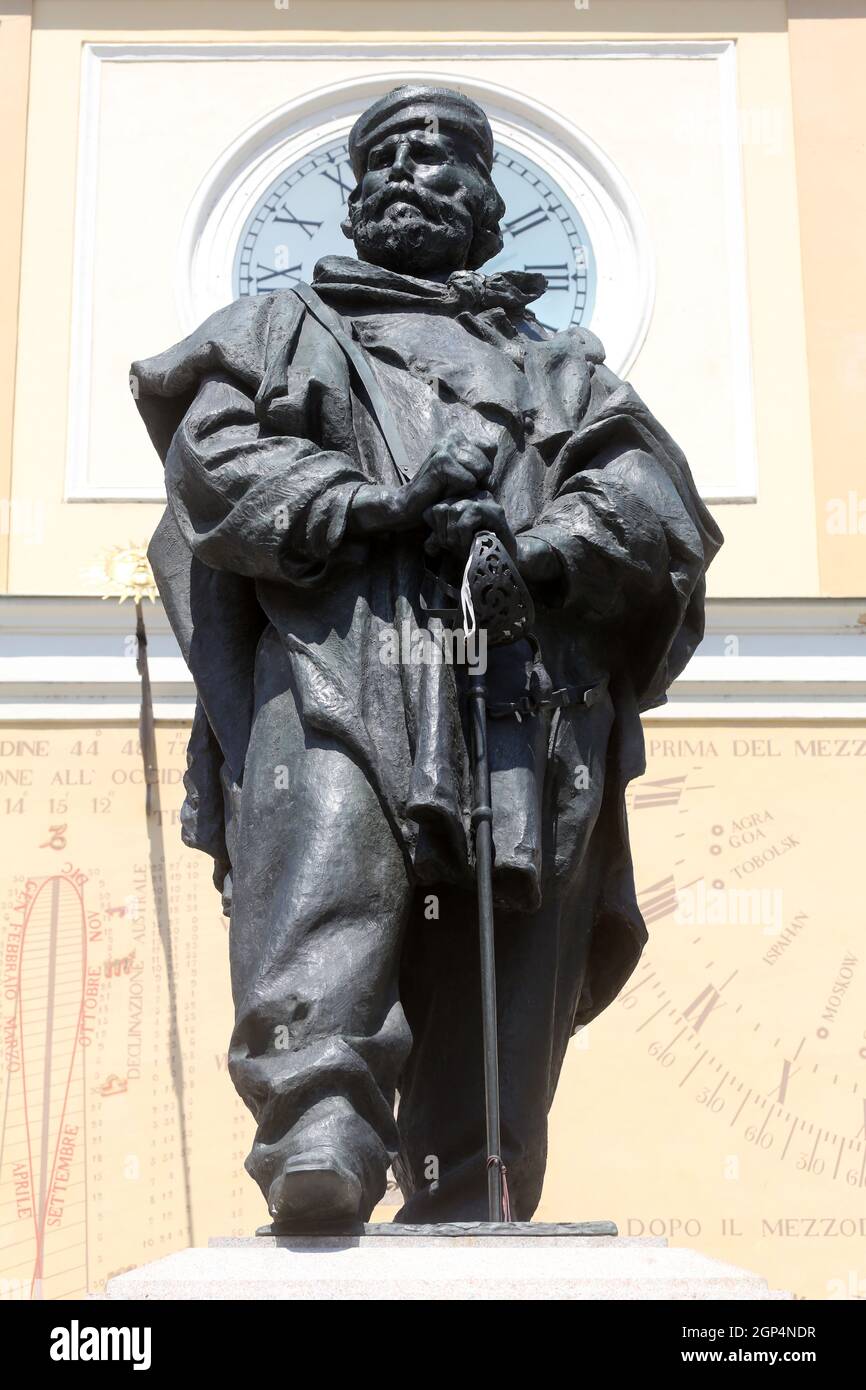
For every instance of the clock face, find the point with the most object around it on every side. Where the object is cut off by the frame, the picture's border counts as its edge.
(297, 221)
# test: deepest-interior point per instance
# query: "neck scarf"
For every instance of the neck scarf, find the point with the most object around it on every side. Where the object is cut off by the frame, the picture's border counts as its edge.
(342, 280)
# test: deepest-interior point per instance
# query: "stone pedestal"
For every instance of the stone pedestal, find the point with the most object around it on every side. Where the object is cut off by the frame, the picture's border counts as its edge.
(466, 1262)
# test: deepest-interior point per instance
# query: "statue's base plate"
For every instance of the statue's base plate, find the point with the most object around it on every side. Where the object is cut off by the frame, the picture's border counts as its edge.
(475, 1262)
(472, 1232)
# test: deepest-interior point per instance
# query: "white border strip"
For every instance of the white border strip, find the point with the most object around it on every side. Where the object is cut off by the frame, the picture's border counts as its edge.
(70, 658)
(745, 487)
(462, 49)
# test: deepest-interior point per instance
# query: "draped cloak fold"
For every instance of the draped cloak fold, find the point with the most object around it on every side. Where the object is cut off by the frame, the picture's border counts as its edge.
(266, 433)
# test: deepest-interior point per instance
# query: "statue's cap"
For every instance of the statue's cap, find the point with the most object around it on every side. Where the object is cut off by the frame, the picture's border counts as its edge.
(415, 105)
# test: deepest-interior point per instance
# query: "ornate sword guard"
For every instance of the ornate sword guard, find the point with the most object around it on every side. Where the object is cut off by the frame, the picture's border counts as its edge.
(501, 602)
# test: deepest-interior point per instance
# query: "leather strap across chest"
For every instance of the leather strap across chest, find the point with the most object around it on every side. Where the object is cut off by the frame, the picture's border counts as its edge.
(376, 398)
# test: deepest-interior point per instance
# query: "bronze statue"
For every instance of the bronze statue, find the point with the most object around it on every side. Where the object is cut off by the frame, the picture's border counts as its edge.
(332, 457)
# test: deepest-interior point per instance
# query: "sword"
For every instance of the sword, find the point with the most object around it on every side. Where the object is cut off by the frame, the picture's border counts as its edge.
(482, 821)
(493, 597)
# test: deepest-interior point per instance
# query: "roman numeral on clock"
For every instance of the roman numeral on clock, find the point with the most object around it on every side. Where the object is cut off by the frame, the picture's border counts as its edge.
(556, 275)
(292, 271)
(527, 220)
(303, 223)
(335, 175)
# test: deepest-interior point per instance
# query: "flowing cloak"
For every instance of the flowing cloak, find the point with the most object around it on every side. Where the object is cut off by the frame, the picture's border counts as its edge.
(266, 432)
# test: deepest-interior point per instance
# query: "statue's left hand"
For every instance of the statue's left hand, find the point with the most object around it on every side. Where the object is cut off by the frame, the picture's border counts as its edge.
(454, 524)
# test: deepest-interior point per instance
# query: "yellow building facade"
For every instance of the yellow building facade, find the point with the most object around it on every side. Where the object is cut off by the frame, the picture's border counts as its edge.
(712, 151)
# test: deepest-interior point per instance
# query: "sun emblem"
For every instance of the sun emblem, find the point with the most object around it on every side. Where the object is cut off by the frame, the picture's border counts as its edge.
(124, 572)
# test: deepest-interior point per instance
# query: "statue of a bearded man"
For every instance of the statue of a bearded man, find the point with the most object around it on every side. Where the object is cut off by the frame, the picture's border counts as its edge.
(331, 454)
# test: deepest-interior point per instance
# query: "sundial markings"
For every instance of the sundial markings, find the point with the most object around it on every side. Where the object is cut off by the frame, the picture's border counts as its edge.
(694, 1068)
(634, 989)
(745, 1098)
(713, 1001)
(764, 1125)
(661, 791)
(720, 1085)
(814, 1151)
(650, 1019)
(659, 899)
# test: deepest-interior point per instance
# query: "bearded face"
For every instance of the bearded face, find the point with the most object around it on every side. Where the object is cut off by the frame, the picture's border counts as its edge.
(423, 206)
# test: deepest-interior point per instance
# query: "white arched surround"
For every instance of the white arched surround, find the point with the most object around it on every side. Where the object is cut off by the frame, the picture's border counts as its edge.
(613, 218)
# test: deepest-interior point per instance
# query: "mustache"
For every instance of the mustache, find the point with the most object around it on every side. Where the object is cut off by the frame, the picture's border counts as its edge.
(434, 206)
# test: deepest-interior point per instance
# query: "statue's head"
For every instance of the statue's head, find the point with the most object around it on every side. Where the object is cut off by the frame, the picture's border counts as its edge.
(425, 202)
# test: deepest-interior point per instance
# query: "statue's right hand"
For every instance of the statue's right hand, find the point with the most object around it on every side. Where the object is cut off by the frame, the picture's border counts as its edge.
(454, 467)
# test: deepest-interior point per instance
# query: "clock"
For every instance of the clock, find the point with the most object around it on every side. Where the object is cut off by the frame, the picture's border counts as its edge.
(298, 220)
